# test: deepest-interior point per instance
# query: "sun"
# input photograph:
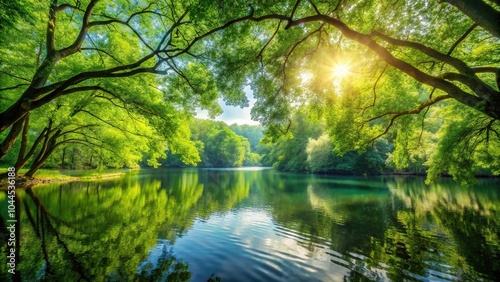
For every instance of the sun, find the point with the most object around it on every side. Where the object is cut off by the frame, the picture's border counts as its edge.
(341, 70)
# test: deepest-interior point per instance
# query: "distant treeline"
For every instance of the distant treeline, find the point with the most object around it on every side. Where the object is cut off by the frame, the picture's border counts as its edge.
(304, 147)
(220, 145)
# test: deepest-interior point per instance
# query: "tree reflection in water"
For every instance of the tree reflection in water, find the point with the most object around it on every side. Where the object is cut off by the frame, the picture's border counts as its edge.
(416, 232)
(101, 231)
(371, 229)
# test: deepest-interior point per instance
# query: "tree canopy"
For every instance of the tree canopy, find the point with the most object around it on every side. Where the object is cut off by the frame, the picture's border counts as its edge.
(422, 74)
(103, 64)
(410, 72)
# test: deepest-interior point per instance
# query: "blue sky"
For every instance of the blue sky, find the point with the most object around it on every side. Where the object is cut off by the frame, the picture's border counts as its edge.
(232, 114)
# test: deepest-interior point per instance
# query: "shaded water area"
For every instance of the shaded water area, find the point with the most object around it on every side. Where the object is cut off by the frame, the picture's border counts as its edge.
(256, 225)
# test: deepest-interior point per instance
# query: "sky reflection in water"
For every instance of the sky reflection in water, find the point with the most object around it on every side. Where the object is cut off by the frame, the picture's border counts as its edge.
(258, 225)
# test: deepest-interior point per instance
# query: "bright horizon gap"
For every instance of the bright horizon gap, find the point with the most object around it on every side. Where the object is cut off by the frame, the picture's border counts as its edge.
(232, 114)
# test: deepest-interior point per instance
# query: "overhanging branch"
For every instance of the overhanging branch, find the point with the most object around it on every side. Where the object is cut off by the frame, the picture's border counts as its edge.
(397, 114)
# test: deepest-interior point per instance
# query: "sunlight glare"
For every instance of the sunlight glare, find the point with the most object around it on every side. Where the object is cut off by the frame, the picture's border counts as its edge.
(305, 77)
(341, 70)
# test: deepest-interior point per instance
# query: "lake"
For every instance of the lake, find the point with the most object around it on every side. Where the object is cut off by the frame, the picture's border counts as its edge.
(255, 225)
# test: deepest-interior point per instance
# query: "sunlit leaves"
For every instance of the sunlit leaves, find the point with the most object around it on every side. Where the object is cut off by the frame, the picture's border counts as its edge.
(294, 68)
(289, 152)
(467, 143)
(218, 145)
(290, 63)
(123, 118)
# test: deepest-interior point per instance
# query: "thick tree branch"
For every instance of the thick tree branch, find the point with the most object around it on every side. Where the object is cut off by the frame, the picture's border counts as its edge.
(481, 13)
(397, 114)
(11, 137)
(485, 69)
(93, 74)
(456, 63)
(462, 38)
(23, 159)
(417, 110)
(24, 143)
(62, 87)
(73, 48)
(481, 89)
(51, 29)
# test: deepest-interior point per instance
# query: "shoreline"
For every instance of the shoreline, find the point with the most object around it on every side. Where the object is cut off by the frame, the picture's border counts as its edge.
(23, 182)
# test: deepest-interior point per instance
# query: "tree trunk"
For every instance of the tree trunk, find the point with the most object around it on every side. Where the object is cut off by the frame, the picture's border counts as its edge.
(39, 163)
(63, 158)
(481, 13)
(21, 161)
(14, 114)
(23, 158)
(44, 154)
(11, 138)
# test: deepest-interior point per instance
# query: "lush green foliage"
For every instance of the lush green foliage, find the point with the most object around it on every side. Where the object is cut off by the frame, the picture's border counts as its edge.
(252, 133)
(320, 158)
(116, 82)
(219, 146)
(95, 131)
(289, 152)
(12, 13)
(82, 86)
(467, 145)
(308, 148)
(370, 69)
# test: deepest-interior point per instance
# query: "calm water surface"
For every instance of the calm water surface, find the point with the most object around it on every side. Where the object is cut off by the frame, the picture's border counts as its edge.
(256, 225)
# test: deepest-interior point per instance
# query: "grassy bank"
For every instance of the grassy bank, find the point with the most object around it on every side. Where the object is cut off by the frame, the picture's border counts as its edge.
(54, 175)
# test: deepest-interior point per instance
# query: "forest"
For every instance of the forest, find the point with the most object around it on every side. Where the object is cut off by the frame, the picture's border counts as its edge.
(342, 87)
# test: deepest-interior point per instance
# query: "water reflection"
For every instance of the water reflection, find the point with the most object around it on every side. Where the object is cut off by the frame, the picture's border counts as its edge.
(255, 225)
(99, 231)
(464, 223)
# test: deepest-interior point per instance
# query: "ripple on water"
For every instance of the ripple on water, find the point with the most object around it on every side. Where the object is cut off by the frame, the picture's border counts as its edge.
(246, 245)
(348, 262)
